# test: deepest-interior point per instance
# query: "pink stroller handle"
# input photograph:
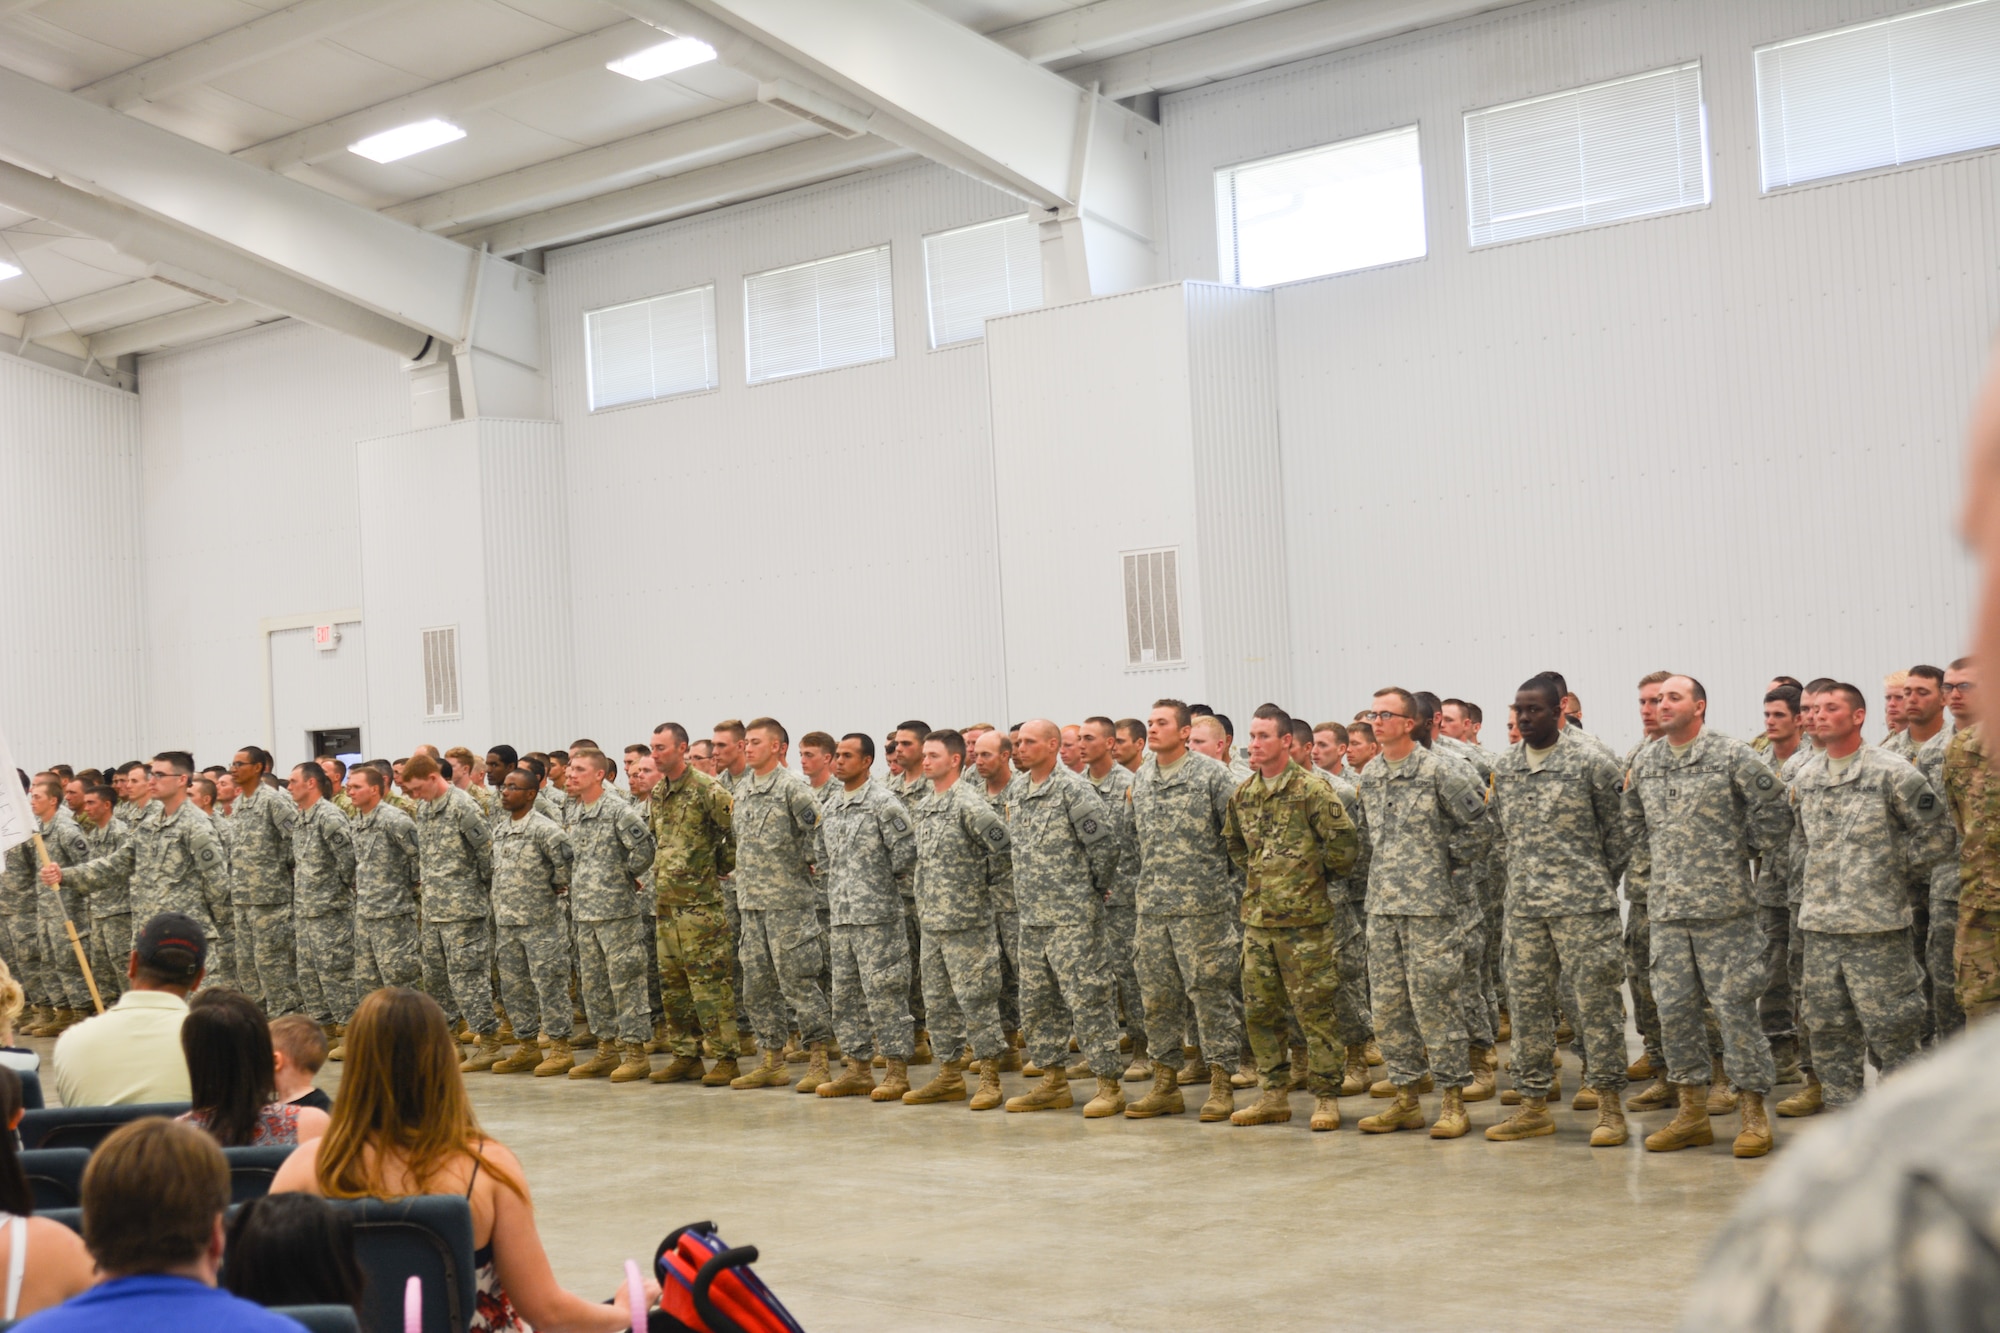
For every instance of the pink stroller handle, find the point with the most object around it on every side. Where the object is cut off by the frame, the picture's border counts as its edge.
(635, 1295)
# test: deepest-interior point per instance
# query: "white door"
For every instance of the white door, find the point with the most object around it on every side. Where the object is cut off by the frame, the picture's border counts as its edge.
(315, 691)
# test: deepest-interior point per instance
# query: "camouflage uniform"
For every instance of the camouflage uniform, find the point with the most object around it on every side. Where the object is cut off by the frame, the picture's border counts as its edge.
(1480, 989)
(1064, 856)
(691, 825)
(1794, 859)
(911, 789)
(1351, 1012)
(21, 922)
(613, 850)
(386, 948)
(1121, 913)
(1425, 819)
(1868, 830)
(781, 948)
(172, 863)
(1639, 940)
(1704, 813)
(323, 911)
(531, 869)
(863, 847)
(963, 850)
(260, 873)
(67, 847)
(1939, 890)
(1778, 1005)
(455, 849)
(1975, 807)
(1566, 844)
(111, 934)
(1006, 912)
(1190, 961)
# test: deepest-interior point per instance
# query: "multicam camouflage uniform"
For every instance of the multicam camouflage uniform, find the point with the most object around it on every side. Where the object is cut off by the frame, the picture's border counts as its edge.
(1290, 836)
(864, 845)
(1868, 830)
(691, 824)
(1975, 809)
(386, 859)
(455, 848)
(1566, 844)
(1705, 812)
(1121, 920)
(260, 872)
(531, 867)
(782, 950)
(1425, 818)
(1064, 856)
(1940, 894)
(323, 910)
(963, 851)
(172, 863)
(1190, 960)
(67, 847)
(613, 851)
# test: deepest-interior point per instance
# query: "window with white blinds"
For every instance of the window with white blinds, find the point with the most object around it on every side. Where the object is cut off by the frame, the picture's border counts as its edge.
(649, 349)
(1629, 148)
(1880, 94)
(818, 316)
(974, 273)
(1152, 607)
(1332, 209)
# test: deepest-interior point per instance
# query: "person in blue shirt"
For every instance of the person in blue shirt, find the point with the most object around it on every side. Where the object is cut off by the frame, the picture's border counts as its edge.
(154, 1195)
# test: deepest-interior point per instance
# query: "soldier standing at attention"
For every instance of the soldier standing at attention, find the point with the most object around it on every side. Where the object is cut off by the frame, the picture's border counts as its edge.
(1112, 781)
(1556, 804)
(1934, 901)
(531, 869)
(1705, 805)
(111, 902)
(323, 900)
(1974, 799)
(728, 767)
(612, 850)
(994, 780)
(1424, 812)
(66, 847)
(1064, 857)
(455, 849)
(907, 781)
(1189, 959)
(1872, 825)
(1350, 903)
(1652, 1062)
(386, 858)
(260, 871)
(781, 948)
(864, 845)
(1777, 899)
(691, 816)
(1290, 836)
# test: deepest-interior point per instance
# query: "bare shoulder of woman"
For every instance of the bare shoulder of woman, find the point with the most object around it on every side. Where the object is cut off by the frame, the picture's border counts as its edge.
(312, 1123)
(58, 1259)
(300, 1173)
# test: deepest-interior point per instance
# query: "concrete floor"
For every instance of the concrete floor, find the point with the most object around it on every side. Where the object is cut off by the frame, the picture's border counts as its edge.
(881, 1216)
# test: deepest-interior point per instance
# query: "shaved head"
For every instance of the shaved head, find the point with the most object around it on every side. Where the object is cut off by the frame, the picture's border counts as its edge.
(1042, 729)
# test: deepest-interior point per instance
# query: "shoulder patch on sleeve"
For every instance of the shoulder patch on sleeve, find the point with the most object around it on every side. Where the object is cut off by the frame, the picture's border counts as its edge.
(901, 824)
(1764, 781)
(1089, 829)
(996, 836)
(1927, 802)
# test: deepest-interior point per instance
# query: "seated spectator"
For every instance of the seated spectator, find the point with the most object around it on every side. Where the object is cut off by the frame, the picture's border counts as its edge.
(45, 1261)
(12, 1002)
(292, 1249)
(300, 1045)
(131, 1052)
(233, 1076)
(404, 1126)
(153, 1199)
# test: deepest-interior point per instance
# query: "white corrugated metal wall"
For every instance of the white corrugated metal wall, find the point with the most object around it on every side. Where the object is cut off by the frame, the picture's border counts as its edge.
(1725, 441)
(69, 487)
(526, 519)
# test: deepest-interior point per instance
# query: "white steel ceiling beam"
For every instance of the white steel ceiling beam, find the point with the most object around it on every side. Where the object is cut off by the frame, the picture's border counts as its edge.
(1089, 29)
(99, 310)
(262, 37)
(1274, 39)
(453, 97)
(183, 326)
(730, 182)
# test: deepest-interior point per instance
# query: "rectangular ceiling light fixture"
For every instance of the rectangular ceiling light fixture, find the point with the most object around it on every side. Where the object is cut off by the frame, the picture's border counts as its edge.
(8, 271)
(406, 140)
(666, 58)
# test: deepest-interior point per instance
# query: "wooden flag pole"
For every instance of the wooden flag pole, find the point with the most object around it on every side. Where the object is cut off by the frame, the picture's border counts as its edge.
(75, 942)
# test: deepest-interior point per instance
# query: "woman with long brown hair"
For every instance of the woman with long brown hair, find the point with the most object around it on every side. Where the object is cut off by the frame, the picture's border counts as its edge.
(403, 1125)
(233, 1072)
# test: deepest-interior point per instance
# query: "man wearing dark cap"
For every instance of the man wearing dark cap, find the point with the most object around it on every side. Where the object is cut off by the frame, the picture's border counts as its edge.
(131, 1052)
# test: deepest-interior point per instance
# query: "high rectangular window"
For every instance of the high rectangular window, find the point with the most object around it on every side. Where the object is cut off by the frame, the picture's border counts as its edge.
(650, 349)
(1880, 94)
(974, 273)
(1612, 151)
(1332, 209)
(819, 316)
(1152, 607)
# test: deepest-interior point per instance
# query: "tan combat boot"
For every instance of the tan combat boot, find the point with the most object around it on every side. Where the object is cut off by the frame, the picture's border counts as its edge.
(1078, 1069)
(1010, 1060)
(816, 1070)
(746, 1045)
(1141, 1068)
(678, 1070)
(560, 1060)
(525, 1057)
(1403, 1113)
(947, 1085)
(1245, 1075)
(482, 1056)
(1194, 1071)
(1754, 1140)
(636, 1067)
(1585, 1100)
(1484, 1077)
(897, 1081)
(922, 1054)
(1809, 1100)
(1355, 1081)
(1532, 1121)
(67, 1018)
(658, 1043)
(1326, 1114)
(1610, 1130)
(794, 1053)
(39, 1017)
(1689, 1128)
(1452, 1122)
(769, 1073)
(1387, 1088)
(1221, 1103)
(1655, 1095)
(1642, 1069)
(507, 1035)
(988, 1095)
(582, 1038)
(1051, 1094)
(855, 1080)
(1374, 1052)
(722, 1074)
(1504, 1029)
(1029, 1069)
(1110, 1099)
(1299, 1059)
(1164, 1098)
(602, 1062)
(1272, 1107)
(1721, 1094)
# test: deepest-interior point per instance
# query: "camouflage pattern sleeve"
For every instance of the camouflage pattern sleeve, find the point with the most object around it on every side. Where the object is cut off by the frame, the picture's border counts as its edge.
(1463, 800)
(283, 817)
(893, 818)
(478, 839)
(1091, 822)
(205, 850)
(67, 845)
(986, 827)
(556, 846)
(720, 806)
(635, 838)
(1339, 841)
(1919, 810)
(94, 874)
(1232, 833)
(1607, 799)
(1767, 813)
(340, 841)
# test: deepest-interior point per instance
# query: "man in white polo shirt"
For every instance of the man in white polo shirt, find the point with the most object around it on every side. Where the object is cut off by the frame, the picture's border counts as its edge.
(131, 1053)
